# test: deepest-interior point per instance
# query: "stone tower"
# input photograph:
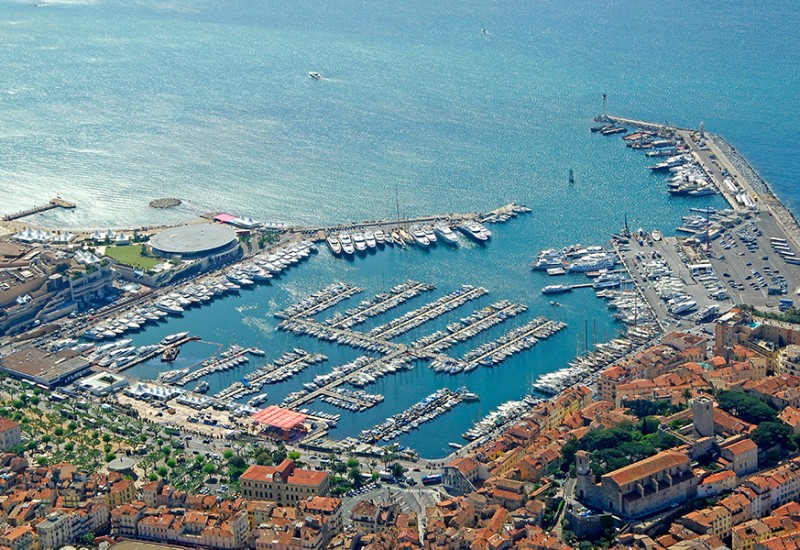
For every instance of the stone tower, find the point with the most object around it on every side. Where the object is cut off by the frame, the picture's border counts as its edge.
(703, 416)
(585, 480)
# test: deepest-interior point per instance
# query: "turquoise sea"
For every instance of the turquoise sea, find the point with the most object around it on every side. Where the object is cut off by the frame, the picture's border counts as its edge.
(113, 103)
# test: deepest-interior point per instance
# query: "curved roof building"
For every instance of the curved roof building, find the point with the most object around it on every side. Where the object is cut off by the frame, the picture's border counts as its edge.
(194, 240)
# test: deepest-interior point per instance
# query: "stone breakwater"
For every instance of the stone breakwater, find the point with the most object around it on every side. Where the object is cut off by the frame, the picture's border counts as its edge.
(785, 216)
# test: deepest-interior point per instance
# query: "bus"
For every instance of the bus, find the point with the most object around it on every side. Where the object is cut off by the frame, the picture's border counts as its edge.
(777, 240)
(386, 476)
(434, 479)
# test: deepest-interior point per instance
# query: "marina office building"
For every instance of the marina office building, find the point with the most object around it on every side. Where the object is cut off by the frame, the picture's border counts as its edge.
(284, 484)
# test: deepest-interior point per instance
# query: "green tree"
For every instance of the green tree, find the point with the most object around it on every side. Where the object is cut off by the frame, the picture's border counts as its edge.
(354, 474)
(41, 460)
(279, 453)
(72, 426)
(110, 456)
(771, 434)
(397, 470)
(294, 456)
(744, 406)
(162, 471)
(106, 438)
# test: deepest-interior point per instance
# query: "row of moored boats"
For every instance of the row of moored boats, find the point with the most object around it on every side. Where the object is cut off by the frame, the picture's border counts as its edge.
(350, 243)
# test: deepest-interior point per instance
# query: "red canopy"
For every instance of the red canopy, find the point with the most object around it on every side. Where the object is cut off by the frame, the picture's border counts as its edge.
(278, 417)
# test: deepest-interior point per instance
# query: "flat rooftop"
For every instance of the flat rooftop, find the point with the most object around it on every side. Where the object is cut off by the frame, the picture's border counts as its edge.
(42, 366)
(193, 239)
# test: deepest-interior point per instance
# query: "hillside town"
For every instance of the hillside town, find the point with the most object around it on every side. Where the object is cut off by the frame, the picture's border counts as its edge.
(691, 442)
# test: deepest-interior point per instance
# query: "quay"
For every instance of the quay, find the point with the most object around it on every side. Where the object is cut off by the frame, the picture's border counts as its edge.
(738, 244)
(57, 202)
(503, 213)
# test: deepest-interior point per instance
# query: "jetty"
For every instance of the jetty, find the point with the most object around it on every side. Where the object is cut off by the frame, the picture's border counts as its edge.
(57, 202)
(154, 352)
(230, 359)
(381, 303)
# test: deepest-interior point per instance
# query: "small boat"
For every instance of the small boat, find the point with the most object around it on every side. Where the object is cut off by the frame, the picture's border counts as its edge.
(455, 445)
(315, 75)
(656, 234)
(555, 304)
(202, 387)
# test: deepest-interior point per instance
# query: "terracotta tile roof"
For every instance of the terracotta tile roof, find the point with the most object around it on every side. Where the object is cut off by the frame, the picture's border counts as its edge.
(740, 447)
(296, 477)
(647, 467)
(6, 424)
(717, 477)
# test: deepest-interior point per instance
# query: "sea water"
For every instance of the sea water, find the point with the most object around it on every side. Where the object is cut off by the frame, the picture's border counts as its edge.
(422, 108)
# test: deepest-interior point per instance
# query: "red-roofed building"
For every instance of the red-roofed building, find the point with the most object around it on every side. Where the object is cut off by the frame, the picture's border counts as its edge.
(742, 454)
(639, 489)
(283, 483)
(461, 475)
(716, 483)
(280, 423)
(10, 434)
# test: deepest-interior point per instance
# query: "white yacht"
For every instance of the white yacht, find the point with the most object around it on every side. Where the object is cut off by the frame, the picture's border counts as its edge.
(380, 237)
(334, 245)
(475, 231)
(419, 236)
(369, 237)
(445, 233)
(430, 234)
(347, 243)
(359, 242)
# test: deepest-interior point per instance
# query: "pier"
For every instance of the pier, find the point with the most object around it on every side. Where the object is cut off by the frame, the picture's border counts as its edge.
(54, 203)
(155, 352)
(428, 312)
(230, 359)
(320, 301)
(287, 366)
(524, 337)
(379, 304)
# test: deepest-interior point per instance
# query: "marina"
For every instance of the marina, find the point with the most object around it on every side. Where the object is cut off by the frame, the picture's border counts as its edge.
(381, 303)
(426, 410)
(319, 301)
(428, 312)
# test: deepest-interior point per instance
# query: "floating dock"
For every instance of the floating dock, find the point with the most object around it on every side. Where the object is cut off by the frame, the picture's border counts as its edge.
(319, 301)
(428, 312)
(381, 303)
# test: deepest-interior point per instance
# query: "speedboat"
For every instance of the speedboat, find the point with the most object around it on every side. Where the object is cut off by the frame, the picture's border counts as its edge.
(334, 245)
(445, 233)
(315, 75)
